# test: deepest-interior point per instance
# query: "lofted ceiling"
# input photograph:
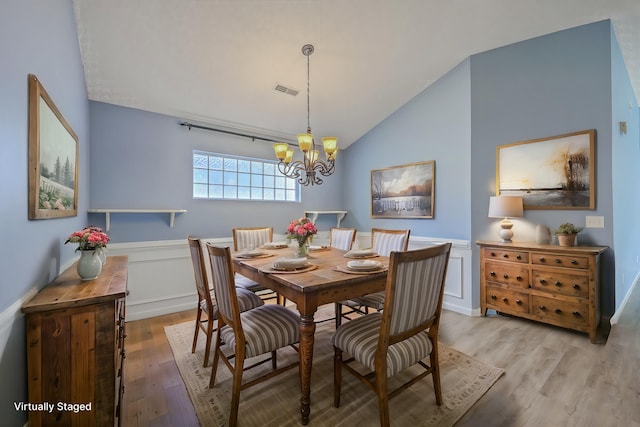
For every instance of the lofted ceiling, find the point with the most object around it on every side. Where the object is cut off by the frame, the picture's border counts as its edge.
(216, 62)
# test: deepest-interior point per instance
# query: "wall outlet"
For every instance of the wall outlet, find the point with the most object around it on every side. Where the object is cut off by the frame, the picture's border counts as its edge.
(594, 221)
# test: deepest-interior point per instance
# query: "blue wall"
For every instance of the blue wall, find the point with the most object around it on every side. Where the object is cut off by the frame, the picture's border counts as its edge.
(142, 160)
(435, 125)
(40, 38)
(625, 174)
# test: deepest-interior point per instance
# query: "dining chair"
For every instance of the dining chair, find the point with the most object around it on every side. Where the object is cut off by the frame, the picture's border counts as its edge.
(252, 238)
(252, 333)
(342, 238)
(404, 334)
(383, 241)
(207, 307)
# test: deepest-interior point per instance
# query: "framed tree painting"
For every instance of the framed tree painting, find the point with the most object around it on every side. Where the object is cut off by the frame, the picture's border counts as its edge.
(549, 173)
(405, 191)
(53, 158)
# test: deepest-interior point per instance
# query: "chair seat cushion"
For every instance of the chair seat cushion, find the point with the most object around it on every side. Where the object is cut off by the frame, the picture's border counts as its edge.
(246, 283)
(359, 338)
(266, 328)
(246, 301)
(375, 301)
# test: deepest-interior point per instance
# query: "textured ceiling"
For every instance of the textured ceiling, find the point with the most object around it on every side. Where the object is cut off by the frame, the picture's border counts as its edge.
(217, 61)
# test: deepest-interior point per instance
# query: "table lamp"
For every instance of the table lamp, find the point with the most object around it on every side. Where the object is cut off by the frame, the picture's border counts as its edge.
(505, 207)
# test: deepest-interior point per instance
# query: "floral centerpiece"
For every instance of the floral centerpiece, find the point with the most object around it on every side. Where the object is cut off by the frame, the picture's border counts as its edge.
(302, 229)
(89, 239)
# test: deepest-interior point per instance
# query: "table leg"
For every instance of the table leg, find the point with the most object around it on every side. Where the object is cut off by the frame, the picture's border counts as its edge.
(307, 331)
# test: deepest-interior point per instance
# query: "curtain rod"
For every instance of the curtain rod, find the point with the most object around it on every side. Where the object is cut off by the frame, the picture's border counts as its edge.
(253, 137)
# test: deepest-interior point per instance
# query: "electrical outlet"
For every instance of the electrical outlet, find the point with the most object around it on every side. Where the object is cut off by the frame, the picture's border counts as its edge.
(594, 221)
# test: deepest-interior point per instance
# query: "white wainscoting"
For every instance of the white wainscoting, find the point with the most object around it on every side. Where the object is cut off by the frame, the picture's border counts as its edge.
(161, 275)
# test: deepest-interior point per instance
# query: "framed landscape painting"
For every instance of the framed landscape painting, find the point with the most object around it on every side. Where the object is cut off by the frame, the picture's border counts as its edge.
(405, 191)
(549, 173)
(53, 158)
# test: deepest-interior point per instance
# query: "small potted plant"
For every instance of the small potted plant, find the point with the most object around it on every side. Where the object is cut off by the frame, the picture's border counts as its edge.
(567, 233)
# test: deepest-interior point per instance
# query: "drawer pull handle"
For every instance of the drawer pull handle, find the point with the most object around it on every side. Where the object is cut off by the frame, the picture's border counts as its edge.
(504, 299)
(518, 257)
(577, 314)
(558, 284)
(542, 259)
(518, 277)
(558, 311)
(493, 273)
(543, 281)
(573, 261)
(505, 275)
(493, 254)
(558, 261)
(576, 286)
(518, 302)
(494, 297)
(543, 308)
(505, 256)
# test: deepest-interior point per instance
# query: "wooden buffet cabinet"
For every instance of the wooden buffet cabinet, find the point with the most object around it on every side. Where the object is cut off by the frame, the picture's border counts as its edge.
(75, 348)
(551, 284)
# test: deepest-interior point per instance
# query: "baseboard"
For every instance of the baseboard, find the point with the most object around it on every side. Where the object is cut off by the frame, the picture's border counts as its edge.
(616, 316)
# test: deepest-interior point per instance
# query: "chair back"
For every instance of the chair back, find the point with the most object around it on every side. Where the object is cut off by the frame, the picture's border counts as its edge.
(415, 288)
(224, 286)
(384, 241)
(200, 272)
(342, 238)
(250, 238)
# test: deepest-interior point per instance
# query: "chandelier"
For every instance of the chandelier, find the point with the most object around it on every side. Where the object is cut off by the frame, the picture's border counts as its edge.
(307, 170)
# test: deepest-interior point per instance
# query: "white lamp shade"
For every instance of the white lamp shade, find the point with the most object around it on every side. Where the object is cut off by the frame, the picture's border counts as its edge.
(505, 207)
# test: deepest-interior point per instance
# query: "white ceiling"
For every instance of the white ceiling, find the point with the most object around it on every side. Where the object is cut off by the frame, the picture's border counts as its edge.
(217, 61)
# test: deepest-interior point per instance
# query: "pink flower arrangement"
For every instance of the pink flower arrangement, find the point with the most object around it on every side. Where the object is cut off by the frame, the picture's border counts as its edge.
(89, 239)
(301, 229)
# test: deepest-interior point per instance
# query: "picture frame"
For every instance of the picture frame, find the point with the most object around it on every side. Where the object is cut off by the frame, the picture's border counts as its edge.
(53, 158)
(405, 191)
(556, 172)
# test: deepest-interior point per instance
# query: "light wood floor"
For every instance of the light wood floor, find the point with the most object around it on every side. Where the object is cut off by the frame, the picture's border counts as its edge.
(554, 377)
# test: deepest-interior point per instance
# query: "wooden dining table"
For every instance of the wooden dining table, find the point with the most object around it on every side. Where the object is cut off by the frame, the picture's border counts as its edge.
(326, 280)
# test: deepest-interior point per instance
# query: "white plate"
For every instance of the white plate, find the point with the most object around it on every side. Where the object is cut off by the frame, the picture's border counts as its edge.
(275, 245)
(251, 254)
(364, 265)
(317, 248)
(290, 263)
(360, 252)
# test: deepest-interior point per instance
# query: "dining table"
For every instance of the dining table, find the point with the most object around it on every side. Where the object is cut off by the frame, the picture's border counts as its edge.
(324, 279)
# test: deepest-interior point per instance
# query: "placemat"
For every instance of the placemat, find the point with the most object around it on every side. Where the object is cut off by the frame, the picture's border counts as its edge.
(253, 257)
(345, 269)
(361, 257)
(269, 269)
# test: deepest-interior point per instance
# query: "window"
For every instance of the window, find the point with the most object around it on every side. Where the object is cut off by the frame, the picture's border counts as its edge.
(220, 176)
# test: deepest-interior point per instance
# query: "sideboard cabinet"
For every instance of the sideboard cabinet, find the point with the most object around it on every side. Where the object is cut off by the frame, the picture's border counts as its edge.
(552, 284)
(75, 348)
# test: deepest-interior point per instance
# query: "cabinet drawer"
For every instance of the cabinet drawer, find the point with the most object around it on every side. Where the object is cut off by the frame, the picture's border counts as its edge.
(506, 255)
(556, 260)
(507, 300)
(562, 283)
(560, 312)
(506, 273)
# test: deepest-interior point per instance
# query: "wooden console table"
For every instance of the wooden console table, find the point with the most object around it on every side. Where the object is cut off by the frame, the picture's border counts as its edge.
(551, 284)
(75, 348)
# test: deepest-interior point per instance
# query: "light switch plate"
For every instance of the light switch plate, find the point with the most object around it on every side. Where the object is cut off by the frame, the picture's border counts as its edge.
(594, 221)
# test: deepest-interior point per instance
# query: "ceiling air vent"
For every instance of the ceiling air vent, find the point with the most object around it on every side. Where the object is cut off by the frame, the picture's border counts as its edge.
(287, 90)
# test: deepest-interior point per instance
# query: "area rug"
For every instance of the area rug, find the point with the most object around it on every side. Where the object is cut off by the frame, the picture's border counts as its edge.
(275, 402)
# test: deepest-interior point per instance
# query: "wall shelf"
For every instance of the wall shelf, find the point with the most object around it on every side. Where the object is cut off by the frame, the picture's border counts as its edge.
(314, 215)
(107, 213)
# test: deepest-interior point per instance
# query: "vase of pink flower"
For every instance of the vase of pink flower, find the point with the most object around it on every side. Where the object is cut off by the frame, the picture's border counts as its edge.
(302, 230)
(91, 243)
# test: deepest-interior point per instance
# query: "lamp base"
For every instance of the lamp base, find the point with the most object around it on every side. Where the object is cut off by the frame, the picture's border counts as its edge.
(506, 234)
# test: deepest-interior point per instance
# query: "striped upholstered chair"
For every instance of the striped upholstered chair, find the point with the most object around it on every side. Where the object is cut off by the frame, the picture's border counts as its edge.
(404, 333)
(252, 238)
(342, 238)
(382, 242)
(262, 330)
(207, 312)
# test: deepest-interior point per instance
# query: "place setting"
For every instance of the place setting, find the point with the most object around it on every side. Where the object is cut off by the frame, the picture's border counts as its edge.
(275, 245)
(365, 266)
(361, 253)
(253, 254)
(288, 265)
